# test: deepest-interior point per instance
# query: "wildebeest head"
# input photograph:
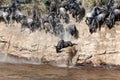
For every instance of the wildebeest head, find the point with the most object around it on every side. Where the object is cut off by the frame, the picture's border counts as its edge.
(109, 22)
(57, 49)
(67, 18)
(63, 44)
(59, 46)
(23, 18)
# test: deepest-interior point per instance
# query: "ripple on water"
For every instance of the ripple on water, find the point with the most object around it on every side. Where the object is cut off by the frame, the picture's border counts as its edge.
(12, 71)
(48, 72)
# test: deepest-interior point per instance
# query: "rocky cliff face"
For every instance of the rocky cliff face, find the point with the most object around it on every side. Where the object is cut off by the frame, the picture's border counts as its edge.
(98, 48)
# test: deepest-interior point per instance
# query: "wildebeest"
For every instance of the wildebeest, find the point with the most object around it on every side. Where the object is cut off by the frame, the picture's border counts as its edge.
(36, 23)
(114, 13)
(72, 30)
(93, 13)
(63, 14)
(4, 14)
(50, 23)
(117, 14)
(26, 23)
(96, 18)
(46, 27)
(78, 12)
(63, 44)
(48, 18)
(46, 21)
(89, 18)
(94, 25)
(53, 7)
(76, 9)
(101, 18)
(113, 16)
(116, 4)
(45, 18)
(16, 16)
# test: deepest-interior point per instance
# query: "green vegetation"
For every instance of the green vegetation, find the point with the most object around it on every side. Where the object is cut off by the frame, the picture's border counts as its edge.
(4, 2)
(24, 7)
(41, 8)
(92, 3)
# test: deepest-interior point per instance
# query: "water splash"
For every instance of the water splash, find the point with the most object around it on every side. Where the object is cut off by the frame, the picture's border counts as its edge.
(8, 58)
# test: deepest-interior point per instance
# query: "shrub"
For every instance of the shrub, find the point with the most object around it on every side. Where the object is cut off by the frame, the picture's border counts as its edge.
(92, 3)
(4, 2)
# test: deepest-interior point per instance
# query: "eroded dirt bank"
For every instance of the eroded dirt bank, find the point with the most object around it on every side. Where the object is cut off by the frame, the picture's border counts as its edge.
(98, 48)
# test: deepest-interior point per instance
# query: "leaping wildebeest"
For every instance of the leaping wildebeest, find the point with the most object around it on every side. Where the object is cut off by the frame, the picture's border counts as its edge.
(63, 44)
(72, 30)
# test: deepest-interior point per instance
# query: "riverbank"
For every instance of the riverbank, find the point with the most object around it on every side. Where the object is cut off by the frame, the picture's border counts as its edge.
(98, 48)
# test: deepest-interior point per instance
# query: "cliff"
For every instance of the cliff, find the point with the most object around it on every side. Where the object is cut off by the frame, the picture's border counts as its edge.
(102, 47)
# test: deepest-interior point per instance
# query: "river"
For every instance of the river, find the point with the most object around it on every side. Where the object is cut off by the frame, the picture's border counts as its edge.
(12, 68)
(10, 71)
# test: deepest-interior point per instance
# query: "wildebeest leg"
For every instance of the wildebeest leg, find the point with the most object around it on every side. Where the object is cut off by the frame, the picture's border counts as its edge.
(57, 13)
(113, 21)
(63, 18)
(110, 25)
(79, 18)
(40, 25)
(11, 16)
(50, 28)
(87, 21)
(81, 15)
(119, 17)
(66, 18)
(22, 29)
(98, 24)
(46, 30)
(60, 16)
(90, 30)
(92, 27)
(6, 21)
(95, 26)
(76, 18)
(31, 28)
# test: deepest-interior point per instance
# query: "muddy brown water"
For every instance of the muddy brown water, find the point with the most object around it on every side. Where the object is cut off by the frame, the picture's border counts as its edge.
(48, 72)
(12, 68)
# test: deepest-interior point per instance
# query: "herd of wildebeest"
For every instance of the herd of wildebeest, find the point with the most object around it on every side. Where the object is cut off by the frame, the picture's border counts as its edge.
(58, 13)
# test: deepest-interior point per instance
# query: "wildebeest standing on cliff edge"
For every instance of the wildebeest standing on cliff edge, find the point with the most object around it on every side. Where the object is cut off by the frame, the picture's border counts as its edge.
(63, 44)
